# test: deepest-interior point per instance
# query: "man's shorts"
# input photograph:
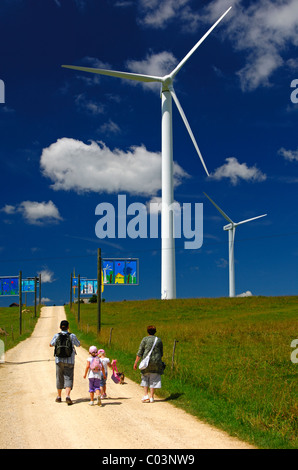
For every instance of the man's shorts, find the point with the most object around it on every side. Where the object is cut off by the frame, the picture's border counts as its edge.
(64, 375)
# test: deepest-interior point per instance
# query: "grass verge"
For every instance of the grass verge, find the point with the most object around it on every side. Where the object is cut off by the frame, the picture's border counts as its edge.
(10, 325)
(232, 365)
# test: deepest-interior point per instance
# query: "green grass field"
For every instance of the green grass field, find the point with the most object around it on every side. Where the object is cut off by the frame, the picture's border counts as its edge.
(10, 323)
(232, 364)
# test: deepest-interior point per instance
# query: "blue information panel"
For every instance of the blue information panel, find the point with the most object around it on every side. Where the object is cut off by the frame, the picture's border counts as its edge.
(9, 286)
(120, 271)
(115, 271)
(88, 286)
(28, 285)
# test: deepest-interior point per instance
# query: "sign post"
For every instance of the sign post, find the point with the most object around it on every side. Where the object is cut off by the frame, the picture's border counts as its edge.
(98, 290)
(39, 292)
(70, 300)
(111, 271)
(79, 297)
(20, 300)
(35, 286)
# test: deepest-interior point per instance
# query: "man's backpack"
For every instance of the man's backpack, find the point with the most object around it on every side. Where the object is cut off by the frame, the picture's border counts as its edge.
(63, 345)
(96, 364)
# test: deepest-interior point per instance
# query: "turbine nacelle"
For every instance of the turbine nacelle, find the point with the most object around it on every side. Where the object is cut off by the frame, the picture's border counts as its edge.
(167, 83)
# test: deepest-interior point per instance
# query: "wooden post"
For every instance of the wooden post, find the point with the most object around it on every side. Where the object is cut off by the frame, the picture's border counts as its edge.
(35, 287)
(39, 282)
(70, 298)
(173, 355)
(79, 297)
(98, 290)
(20, 300)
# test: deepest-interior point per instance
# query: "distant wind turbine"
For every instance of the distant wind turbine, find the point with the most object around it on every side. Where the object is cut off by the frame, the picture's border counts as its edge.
(168, 270)
(231, 227)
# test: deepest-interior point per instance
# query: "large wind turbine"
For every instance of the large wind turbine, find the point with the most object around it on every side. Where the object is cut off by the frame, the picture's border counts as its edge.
(231, 227)
(168, 271)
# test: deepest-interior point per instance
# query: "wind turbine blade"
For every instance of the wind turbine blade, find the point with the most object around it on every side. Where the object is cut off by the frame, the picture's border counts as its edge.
(220, 210)
(248, 220)
(176, 70)
(188, 127)
(114, 73)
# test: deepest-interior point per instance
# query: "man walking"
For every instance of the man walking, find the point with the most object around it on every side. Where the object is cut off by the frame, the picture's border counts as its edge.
(64, 343)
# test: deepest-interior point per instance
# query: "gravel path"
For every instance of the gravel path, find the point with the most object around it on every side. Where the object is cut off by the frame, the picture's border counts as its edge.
(31, 419)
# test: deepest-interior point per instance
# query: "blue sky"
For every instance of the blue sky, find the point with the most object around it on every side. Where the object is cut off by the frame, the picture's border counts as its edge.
(72, 140)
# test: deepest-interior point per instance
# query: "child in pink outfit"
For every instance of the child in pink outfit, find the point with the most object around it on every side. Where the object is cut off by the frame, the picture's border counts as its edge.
(94, 377)
(106, 363)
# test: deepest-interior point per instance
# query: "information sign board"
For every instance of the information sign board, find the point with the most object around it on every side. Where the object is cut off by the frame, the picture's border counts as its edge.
(120, 271)
(9, 286)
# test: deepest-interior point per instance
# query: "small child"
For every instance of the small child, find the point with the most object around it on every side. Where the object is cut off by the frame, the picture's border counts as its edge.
(94, 375)
(106, 363)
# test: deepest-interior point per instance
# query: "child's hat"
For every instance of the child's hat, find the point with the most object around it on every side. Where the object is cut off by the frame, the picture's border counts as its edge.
(101, 351)
(93, 349)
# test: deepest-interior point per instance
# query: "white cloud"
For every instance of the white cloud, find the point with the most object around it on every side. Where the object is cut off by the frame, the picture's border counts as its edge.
(222, 263)
(46, 276)
(79, 3)
(264, 30)
(159, 13)
(236, 171)
(8, 209)
(110, 127)
(45, 300)
(245, 294)
(124, 3)
(74, 165)
(159, 64)
(291, 155)
(36, 213)
(39, 212)
(258, 70)
(89, 106)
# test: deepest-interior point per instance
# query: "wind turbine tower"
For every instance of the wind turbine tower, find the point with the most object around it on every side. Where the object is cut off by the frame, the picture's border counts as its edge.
(168, 271)
(231, 227)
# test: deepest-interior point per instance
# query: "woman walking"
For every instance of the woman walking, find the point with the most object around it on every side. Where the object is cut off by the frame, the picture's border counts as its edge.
(151, 376)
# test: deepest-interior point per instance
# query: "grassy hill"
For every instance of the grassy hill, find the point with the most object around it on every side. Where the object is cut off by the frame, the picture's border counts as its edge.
(232, 365)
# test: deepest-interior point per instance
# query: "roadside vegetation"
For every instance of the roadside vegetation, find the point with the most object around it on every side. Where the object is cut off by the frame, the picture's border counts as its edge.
(10, 324)
(232, 365)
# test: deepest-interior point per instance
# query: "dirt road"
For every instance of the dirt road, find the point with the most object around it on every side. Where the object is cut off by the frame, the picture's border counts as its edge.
(31, 419)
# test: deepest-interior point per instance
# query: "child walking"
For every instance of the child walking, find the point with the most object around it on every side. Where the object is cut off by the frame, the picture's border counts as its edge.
(95, 371)
(106, 363)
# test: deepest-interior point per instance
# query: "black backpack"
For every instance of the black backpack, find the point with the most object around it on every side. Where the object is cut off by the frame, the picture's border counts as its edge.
(63, 345)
